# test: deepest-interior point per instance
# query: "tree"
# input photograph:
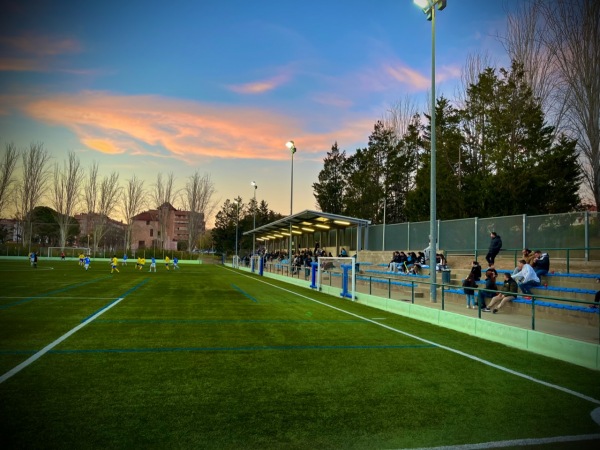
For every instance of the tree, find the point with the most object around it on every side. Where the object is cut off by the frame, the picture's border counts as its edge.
(163, 197)
(197, 199)
(226, 223)
(329, 190)
(101, 200)
(66, 193)
(133, 201)
(7, 167)
(565, 36)
(32, 186)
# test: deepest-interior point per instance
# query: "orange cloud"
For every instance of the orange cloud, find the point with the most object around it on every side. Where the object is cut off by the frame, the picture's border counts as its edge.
(40, 45)
(260, 86)
(164, 127)
(409, 76)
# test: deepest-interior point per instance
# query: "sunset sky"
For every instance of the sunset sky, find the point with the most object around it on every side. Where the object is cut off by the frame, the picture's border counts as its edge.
(144, 87)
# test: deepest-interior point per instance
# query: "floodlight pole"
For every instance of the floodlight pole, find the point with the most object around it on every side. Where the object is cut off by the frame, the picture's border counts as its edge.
(254, 222)
(429, 8)
(292, 148)
(237, 222)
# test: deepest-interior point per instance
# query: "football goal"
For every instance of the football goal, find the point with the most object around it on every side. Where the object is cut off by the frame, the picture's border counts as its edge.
(337, 272)
(70, 252)
(235, 262)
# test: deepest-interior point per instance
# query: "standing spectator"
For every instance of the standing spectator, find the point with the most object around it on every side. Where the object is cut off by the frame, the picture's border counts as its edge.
(541, 263)
(508, 294)
(490, 285)
(494, 249)
(468, 285)
(476, 271)
(525, 277)
(62, 256)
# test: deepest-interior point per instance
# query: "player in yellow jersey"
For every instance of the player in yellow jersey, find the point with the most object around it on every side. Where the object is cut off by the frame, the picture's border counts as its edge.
(167, 261)
(142, 264)
(113, 264)
(81, 257)
(138, 264)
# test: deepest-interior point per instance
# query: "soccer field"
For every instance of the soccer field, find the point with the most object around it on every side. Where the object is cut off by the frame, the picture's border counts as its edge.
(211, 357)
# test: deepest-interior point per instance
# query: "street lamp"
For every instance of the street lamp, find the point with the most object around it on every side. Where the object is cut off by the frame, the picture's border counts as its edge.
(237, 222)
(292, 147)
(254, 224)
(429, 7)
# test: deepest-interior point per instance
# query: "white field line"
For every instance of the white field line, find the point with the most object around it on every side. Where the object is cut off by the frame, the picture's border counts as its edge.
(450, 349)
(50, 346)
(515, 443)
(60, 298)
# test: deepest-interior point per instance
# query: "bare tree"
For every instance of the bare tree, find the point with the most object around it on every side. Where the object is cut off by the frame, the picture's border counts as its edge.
(7, 167)
(400, 115)
(559, 44)
(163, 197)
(197, 199)
(66, 191)
(526, 42)
(108, 196)
(32, 186)
(133, 201)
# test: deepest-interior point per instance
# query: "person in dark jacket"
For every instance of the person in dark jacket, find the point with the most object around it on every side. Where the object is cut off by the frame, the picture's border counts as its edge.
(490, 285)
(495, 246)
(541, 263)
(476, 271)
(468, 285)
(509, 292)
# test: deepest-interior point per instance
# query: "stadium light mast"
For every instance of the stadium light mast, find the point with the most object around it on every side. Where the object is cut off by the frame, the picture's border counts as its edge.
(429, 7)
(292, 147)
(254, 222)
(237, 222)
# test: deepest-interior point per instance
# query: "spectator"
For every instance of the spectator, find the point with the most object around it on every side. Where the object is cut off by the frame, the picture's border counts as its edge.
(525, 277)
(528, 256)
(394, 261)
(597, 296)
(343, 253)
(440, 262)
(476, 271)
(468, 285)
(508, 294)
(494, 249)
(490, 285)
(541, 263)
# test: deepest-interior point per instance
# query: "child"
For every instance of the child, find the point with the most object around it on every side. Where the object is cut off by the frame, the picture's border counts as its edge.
(468, 285)
(86, 262)
(113, 264)
(152, 265)
(167, 261)
(175, 263)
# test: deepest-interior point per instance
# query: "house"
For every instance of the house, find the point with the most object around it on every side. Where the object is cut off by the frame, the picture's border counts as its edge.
(163, 228)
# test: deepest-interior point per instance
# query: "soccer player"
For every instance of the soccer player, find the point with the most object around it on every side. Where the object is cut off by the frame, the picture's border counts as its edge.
(152, 264)
(113, 264)
(167, 261)
(138, 265)
(124, 263)
(81, 256)
(86, 262)
(175, 263)
(142, 264)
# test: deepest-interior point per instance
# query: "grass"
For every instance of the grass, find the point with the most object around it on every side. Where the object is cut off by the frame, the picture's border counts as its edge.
(208, 357)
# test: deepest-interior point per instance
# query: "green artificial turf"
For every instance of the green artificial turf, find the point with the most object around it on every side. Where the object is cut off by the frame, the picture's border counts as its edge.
(209, 357)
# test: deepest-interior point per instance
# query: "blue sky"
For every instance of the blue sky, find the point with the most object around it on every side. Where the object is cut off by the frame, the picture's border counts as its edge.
(143, 87)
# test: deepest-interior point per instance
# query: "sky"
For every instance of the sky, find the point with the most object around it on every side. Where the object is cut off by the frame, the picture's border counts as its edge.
(219, 87)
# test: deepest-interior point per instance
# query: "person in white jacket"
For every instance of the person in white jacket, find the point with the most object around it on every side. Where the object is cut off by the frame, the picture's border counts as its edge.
(525, 277)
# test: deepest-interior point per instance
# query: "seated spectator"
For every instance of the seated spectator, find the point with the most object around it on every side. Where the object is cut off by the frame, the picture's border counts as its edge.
(525, 277)
(476, 271)
(343, 253)
(528, 256)
(411, 259)
(508, 294)
(541, 263)
(440, 262)
(395, 260)
(490, 285)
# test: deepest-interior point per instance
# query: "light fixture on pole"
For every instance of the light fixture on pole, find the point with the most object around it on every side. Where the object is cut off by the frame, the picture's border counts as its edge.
(254, 222)
(292, 147)
(429, 7)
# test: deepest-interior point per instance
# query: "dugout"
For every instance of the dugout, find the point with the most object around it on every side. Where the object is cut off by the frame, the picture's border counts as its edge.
(303, 230)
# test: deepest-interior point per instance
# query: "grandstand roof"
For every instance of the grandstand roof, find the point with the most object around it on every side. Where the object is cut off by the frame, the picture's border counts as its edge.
(306, 222)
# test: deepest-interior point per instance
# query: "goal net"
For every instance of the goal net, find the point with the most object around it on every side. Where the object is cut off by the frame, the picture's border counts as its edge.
(255, 263)
(70, 252)
(338, 273)
(236, 262)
